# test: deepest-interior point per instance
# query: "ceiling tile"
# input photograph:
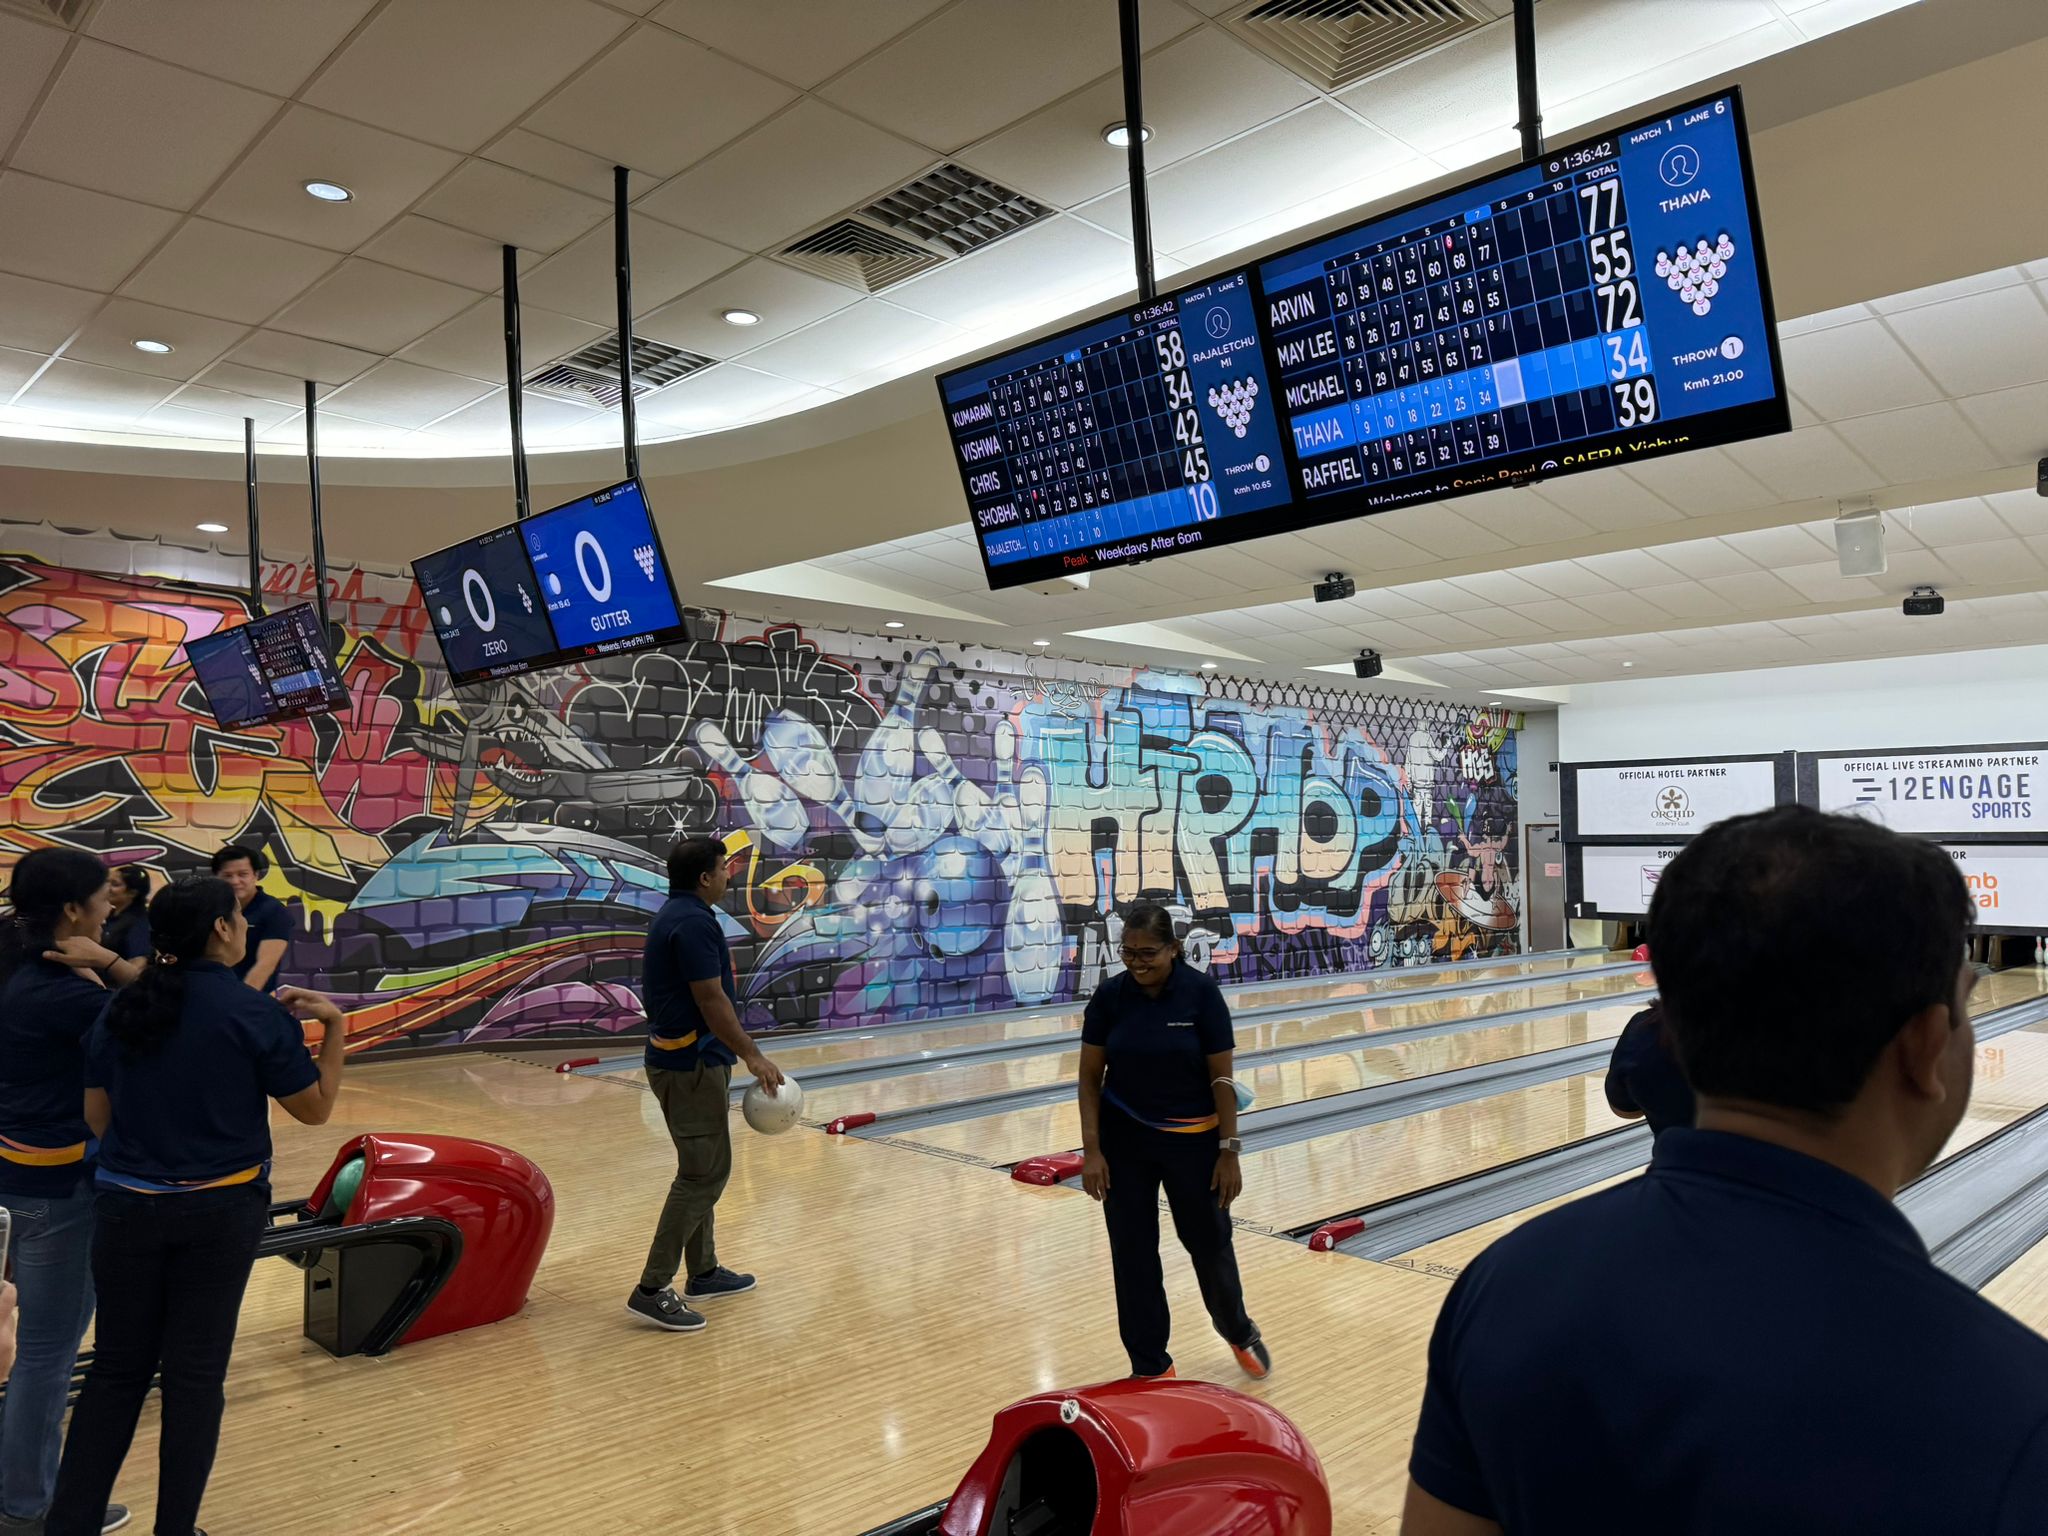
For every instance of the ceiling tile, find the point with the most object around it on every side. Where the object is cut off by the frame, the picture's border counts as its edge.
(257, 383)
(1687, 600)
(797, 170)
(474, 342)
(1607, 500)
(1629, 569)
(400, 394)
(267, 190)
(923, 87)
(69, 235)
(1521, 518)
(1266, 172)
(486, 424)
(300, 357)
(231, 405)
(372, 307)
(38, 316)
(1854, 370)
(720, 397)
(658, 102)
(794, 40)
(1564, 578)
(1985, 342)
(82, 391)
(1823, 582)
(401, 72)
(1500, 588)
(182, 421)
(784, 298)
(172, 136)
(231, 274)
(16, 369)
(2024, 512)
(1938, 293)
(1023, 279)
(108, 339)
(1699, 558)
(440, 250)
(2000, 563)
(258, 43)
(1808, 462)
(2013, 421)
(511, 207)
(27, 54)
(667, 261)
(564, 165)
(1442, 532)
(1942, 523)
(1759, 591)
(1199, 90)
(1793, 544)
(1701, 483)
(1924, 443)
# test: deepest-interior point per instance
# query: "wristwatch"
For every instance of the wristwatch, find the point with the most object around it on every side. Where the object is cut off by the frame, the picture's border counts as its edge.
(1230, 1144)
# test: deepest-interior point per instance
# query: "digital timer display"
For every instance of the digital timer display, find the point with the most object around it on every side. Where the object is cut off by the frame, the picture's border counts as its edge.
(1605, 304)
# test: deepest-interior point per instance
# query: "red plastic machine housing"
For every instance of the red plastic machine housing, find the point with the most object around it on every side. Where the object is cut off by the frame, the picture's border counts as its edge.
(501, 1202)
(1169, 1458)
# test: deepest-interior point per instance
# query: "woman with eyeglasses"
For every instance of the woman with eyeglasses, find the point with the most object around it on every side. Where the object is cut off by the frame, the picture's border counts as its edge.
(1159, 1111)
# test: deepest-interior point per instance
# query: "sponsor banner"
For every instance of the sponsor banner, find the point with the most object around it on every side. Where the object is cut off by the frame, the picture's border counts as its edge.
(1618, 880)
(1669, 799)
(1965, 793)
(2008, 882)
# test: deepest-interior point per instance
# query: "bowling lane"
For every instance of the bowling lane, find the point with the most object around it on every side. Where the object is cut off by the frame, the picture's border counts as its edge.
(2023, 1289)
(1056, 1127)
(2011, 1081)
(867, 1045)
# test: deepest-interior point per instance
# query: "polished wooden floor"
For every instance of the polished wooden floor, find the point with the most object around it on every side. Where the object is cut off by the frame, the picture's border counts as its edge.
(904, 1298)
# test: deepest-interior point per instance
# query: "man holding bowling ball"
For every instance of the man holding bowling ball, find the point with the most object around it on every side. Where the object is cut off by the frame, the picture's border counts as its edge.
(694, 1041)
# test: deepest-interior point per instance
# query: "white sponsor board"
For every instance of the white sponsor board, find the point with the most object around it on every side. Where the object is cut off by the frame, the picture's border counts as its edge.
(1675, 799)
(2008, 881)
(1621, 880)
(1958, 793)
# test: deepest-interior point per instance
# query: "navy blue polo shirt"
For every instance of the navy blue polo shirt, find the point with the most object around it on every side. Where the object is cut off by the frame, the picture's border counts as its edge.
(46, 1147)
(685, 945)
(194, 1111)
(128, 934)
(1158, 1048)
(268, 919)
(1744, 1339)
(1643, 1075)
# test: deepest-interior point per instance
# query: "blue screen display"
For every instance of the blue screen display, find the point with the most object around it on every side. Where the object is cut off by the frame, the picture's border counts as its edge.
(271, 668)
(1607, 303)
(601, 572)
(485, 605)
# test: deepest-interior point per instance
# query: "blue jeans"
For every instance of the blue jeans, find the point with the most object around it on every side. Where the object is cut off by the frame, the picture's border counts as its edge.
(52, 1259)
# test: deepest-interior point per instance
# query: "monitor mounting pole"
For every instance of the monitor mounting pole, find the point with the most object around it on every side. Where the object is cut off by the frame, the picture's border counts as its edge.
(1528, 99)
(1134, 132)
(515, 384)
(319, 530)
(622, 252)
(255, 524)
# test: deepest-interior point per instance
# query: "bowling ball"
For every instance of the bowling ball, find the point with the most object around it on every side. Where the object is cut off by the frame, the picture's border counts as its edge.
(772, 1115)
(955, 891)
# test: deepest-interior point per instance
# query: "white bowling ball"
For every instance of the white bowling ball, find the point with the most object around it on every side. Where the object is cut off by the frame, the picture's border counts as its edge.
(772, 1114)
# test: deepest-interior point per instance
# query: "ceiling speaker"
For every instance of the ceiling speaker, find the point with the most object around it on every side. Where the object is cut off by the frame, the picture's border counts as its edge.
(1859, 544)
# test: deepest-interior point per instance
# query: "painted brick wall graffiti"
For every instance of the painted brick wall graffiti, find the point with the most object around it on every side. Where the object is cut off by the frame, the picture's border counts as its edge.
(918, 829)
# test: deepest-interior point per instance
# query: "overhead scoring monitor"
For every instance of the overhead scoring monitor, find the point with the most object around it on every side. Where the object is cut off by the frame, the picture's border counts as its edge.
(273, 668)
(1605, 304)
(582, 580)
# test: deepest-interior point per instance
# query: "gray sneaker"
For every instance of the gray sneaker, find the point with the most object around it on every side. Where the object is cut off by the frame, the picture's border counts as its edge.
(664, 1309)
(118, 1516)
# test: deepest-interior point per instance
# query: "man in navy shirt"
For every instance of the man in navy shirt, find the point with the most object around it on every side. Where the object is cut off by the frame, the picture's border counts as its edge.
(1644, 1080)
(270, 926)
(694, 1041)
(1751, 1337)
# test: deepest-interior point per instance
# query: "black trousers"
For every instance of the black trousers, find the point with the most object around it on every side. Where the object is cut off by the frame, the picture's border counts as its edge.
(1142, 1162)
(170, 1270)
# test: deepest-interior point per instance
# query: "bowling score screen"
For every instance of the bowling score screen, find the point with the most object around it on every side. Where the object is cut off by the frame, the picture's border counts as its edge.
(1607, 303)
(272, 668)
(580, 581)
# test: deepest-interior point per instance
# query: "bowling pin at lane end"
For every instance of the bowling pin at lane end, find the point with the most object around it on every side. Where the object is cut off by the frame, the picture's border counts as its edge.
(771, 804)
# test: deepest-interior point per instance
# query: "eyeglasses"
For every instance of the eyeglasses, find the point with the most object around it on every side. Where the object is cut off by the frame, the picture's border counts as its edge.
(1142, 956)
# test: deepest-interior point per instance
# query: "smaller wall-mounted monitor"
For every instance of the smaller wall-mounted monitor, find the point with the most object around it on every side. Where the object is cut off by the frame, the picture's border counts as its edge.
(582, 580)
(269, 669)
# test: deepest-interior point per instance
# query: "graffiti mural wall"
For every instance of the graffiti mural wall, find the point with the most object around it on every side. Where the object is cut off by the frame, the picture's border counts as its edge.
(918, 829)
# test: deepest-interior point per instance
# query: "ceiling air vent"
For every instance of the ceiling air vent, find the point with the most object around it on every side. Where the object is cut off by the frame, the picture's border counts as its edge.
(1335, 43)
(956, 210)
(860, 256)
(591, 376)
(66, 11)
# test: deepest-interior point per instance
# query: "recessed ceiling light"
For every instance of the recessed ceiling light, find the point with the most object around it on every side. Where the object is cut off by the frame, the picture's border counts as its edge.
(1208, 666)
(1117, 136)
(1041, 642)
(145, 344)
(1493, 703)
(213, 527)
(893, 624)
(328, 191)
(739, 317)
(1628, 663)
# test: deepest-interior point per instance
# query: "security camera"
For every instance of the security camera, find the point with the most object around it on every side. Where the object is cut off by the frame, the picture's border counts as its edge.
(1334, 588)
(1367, 664)
(1924, 603)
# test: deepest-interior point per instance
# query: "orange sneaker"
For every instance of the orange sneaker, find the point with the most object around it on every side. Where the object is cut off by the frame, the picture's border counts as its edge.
(1169, 1374)
(1255, 1359)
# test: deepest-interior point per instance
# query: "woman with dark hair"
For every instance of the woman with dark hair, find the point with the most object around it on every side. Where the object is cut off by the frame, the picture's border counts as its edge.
(1159, 1109)
(49, 998)
(179, 1072)
(127, 932)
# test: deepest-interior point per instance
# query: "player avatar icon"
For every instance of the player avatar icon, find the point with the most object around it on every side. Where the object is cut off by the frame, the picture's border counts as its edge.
(1234, 403)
